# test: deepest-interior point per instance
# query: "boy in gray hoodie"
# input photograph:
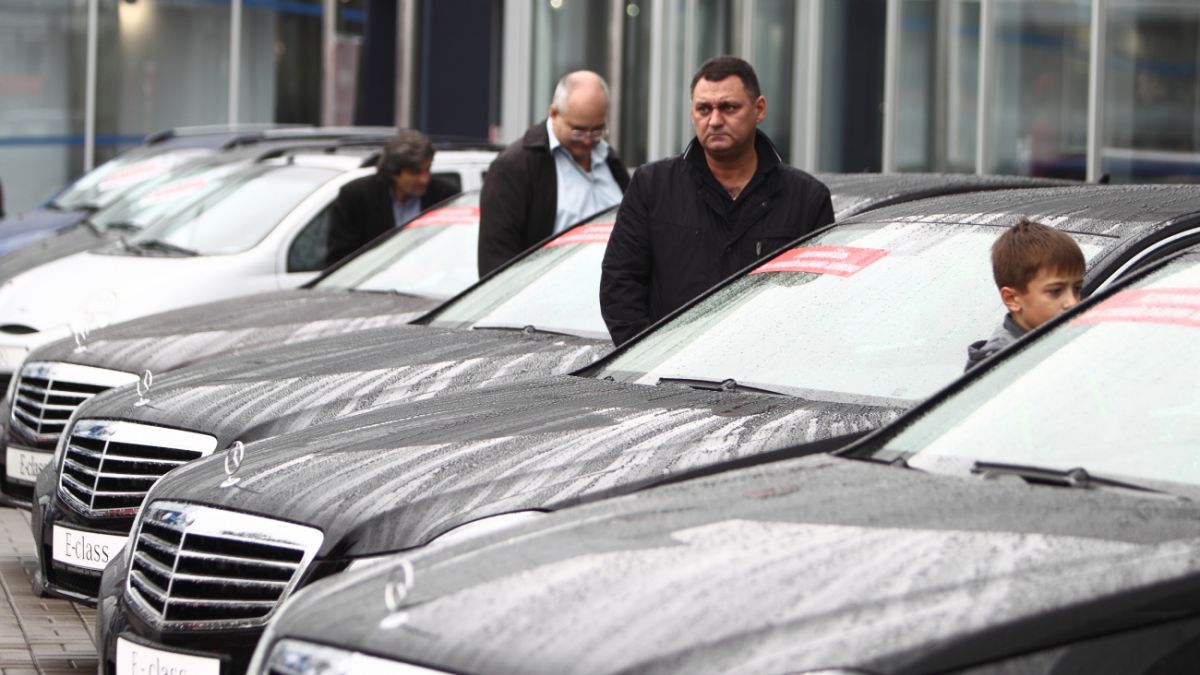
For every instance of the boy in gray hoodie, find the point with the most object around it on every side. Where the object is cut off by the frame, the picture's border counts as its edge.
(1039, 271)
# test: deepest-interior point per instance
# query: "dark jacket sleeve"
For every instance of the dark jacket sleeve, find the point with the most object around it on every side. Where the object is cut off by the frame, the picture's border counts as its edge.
(821, 213)
(438, 191)
(625, 271)
(503, 212)
(347, 216)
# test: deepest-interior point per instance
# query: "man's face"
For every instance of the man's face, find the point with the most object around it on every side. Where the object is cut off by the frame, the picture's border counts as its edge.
(582, 123)
(1049, 294)
(725, 117)
(411, 183)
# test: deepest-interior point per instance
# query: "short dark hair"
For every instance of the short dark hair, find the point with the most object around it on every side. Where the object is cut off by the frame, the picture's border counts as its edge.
(407, 150)
(720, 67)
(1027, 248)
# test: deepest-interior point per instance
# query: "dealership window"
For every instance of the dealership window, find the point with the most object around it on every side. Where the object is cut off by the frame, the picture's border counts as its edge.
(567, 36)
(1152, 92)
(1039, 123)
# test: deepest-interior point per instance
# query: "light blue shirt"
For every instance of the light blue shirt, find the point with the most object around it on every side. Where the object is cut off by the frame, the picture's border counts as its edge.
(581, 193)
(406, 210)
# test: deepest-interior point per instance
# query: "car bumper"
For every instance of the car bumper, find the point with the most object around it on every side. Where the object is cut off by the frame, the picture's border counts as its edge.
(55, 577)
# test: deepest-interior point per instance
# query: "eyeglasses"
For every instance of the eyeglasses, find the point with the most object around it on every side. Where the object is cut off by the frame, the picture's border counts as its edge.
(579, 134)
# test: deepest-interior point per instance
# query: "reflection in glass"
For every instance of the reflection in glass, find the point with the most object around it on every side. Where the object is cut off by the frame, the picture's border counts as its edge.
(890, 332)
(1039, 126)
(1152, 102)
(566, 37)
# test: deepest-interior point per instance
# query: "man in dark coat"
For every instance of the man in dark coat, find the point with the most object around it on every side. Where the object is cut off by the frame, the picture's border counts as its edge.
(400, 189)
(690, 221)
(561, 172)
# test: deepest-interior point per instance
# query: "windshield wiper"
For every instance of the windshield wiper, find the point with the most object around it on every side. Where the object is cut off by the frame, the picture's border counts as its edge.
(386, 291)
(729, 384)
(160, 245)
(123, 226)
(528, 330)
(1077, 477)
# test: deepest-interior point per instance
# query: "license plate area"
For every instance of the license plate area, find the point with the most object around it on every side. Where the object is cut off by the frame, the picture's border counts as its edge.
(84, 549)
(22, 465)
(138, 659)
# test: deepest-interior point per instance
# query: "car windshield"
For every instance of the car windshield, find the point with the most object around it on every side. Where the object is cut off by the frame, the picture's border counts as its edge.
(162, 196)
(555, 288)
(1107, 391)
(239, 213)
(100, 187)
(432, 256)
(870, 313)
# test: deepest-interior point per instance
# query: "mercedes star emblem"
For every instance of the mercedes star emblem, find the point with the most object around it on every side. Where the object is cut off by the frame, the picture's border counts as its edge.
(233, 461)
(143, 388)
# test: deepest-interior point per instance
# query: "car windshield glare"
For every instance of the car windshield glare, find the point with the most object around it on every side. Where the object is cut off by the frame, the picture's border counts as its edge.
(555, 288)
(240, 212)
(868, 313)
(162, 196)
(1106, 391)
(105, 184)
(433, 256)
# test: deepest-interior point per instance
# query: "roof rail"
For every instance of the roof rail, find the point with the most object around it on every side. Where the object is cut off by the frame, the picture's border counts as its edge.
(198, 130)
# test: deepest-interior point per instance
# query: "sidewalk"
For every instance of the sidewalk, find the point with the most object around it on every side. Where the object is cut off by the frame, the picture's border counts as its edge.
(40, 636)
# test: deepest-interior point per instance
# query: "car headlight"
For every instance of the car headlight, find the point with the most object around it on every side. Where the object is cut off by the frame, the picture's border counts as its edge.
(464, 532)
(295, 657)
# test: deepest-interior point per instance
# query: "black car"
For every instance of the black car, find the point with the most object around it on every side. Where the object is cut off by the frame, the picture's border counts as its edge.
(397, 279)
(1040, 516)
(832, 338)
(537, 318)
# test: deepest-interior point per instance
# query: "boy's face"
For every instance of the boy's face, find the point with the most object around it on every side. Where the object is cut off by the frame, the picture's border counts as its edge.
(1049, 294)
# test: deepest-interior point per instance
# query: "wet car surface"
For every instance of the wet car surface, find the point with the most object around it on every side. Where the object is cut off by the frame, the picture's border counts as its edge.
(389, 284)
(525, 451)
(961, 539)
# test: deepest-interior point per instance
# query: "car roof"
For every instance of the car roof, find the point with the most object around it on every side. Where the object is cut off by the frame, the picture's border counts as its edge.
(1122, 211)
(854, 193)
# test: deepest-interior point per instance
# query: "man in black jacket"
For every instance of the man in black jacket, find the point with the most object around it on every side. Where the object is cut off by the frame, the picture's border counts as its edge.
(400, 189)
(562, 171)
(688, 222)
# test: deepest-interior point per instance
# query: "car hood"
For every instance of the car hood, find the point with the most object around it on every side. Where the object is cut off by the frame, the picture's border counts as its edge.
(416, 470)
(94, 289)
(34, 248)
(272, 391)
(24, 228)
(813, 563)
(173, 339)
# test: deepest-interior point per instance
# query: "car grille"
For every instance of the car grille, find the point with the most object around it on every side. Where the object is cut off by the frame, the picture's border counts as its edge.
(199, 568)
(48, 392)
(108, 466)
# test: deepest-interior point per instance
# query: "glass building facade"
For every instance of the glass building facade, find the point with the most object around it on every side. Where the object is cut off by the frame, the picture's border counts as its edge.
(1067, 88)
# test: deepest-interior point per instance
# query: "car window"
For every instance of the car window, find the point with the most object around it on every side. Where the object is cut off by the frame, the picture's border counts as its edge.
(1111, 390)
(433, 256)
(308, 250)
(871, 313)
(556, 288)
(101, 186)
(240, 212)
(163, 196)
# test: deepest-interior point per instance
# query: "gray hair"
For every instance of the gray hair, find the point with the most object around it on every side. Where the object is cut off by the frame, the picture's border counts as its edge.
(569, 82)
(407, 150)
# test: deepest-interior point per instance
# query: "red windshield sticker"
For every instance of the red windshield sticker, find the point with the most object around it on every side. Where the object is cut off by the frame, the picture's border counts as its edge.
(841, 261)
(132, 173)
(1175, 306)
(592, 233)
(451, 215)
(175, 190)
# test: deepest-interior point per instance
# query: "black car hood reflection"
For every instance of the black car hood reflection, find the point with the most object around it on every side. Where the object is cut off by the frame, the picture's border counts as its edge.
(274, 391)
(812, 563)
(410, 472)
(173, 339)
